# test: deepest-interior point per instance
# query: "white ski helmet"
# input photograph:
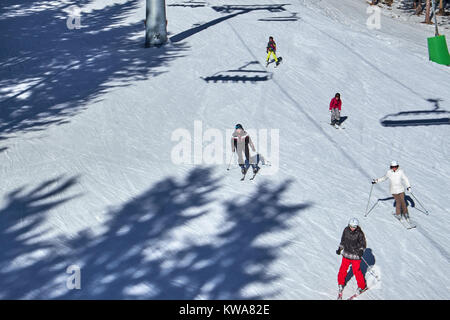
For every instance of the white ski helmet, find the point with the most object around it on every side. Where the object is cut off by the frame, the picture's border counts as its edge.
(353, 222)
(394, 163)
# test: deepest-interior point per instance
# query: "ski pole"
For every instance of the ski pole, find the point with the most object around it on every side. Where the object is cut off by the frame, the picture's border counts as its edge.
(426, 211)
(372, 208)
(370, 194)
(232, 157)
(369, 268)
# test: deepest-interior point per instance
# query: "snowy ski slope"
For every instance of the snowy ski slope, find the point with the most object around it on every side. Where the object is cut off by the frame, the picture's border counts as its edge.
(88, 124)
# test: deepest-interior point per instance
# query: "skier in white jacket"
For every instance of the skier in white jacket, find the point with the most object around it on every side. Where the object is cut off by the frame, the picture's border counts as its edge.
(396, 178)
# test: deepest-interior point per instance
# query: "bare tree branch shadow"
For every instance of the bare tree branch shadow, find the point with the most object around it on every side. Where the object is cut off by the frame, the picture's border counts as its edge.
(50, 73)
(26, 259)
(144, 252)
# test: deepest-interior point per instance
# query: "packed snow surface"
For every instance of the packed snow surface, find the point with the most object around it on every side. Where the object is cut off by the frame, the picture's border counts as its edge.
(92, 185)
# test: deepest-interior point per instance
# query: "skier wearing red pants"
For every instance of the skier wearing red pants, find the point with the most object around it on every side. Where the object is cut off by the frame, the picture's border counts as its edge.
(353, 244)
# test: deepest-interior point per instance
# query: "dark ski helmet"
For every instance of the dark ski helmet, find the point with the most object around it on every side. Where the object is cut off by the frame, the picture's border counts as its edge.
(337, 95)
(239, 126)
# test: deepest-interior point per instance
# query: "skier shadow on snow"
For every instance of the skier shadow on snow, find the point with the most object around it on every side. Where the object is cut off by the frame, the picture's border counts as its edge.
(342, 119)
(408, 200)
(240, 75)
(436, 116)
(164, 244)
(23, 270)
(60, 70)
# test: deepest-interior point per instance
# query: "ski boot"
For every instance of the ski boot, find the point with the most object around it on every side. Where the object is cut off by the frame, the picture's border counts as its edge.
(405, 216)
(359, 290)
(341, 289)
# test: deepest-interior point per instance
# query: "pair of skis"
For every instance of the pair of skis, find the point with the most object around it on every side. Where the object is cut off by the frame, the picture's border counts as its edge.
(354, 295)
(277, 64)
(337, 126)
(253, 177)
(405, 221)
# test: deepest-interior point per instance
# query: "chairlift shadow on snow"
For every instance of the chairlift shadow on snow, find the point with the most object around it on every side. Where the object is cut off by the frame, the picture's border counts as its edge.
(232, 11)
(436, 116)
(189, 4)
(251, 7)
(292, 17)
(240, 75)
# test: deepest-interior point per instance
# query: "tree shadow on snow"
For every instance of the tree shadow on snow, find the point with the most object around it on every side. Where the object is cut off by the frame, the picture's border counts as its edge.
(26, 259)
(138, 257)
(163, 244)
(49, 72)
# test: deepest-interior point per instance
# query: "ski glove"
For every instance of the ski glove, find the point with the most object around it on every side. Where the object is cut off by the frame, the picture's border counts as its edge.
(361, 253)
(409, 189)
(374, 181)
(338, 251)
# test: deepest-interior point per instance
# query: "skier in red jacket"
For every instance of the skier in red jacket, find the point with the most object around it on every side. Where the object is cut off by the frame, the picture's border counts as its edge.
(335, 109)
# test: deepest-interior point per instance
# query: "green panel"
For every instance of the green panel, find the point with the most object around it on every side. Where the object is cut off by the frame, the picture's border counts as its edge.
(438, 50)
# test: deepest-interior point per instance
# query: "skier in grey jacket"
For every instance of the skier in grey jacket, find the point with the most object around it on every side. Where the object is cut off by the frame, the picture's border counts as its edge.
(240, 142)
